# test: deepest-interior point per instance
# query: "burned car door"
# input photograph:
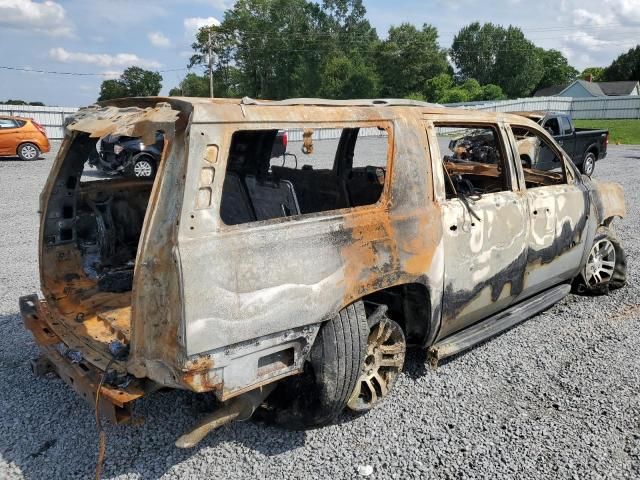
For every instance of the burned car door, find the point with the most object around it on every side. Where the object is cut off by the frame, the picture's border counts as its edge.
(484, 223)
(558, 212)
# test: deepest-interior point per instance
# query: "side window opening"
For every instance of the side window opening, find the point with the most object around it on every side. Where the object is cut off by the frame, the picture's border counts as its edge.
(541, 163)
(284, 173)
(566, 125)
(473, 159)
(552, 126)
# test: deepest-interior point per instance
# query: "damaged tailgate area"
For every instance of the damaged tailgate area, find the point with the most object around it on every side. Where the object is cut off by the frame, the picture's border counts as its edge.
(91, 228)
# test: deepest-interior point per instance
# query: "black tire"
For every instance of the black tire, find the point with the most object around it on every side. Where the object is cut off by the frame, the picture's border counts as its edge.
(142, 166)
(611, 277)
(588, 164)
(28, 152)
(316, 397)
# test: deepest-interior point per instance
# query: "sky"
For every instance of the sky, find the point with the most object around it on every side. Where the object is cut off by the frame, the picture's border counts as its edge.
(106, 36)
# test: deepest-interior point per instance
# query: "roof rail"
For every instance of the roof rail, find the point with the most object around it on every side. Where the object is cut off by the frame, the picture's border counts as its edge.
(376, 102)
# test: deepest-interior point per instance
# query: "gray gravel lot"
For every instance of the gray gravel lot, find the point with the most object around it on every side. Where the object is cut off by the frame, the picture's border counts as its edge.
(556, 397)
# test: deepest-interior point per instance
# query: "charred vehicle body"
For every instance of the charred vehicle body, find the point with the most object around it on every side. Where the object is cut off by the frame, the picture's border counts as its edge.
(295, 289)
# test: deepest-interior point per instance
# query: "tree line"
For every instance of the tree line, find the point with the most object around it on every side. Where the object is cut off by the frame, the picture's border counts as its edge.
(277, 49)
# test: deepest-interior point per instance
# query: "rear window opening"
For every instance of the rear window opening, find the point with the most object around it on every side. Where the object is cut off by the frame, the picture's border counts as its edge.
(286, 173)
(104, 211)
(92, 229)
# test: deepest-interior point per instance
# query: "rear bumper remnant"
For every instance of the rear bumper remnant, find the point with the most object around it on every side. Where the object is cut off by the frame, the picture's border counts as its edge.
(82, 376)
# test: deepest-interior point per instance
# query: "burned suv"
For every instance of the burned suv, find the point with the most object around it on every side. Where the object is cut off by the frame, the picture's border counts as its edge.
(293, 286)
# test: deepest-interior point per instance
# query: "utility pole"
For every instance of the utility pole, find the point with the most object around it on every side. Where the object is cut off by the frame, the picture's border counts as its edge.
(210, 66)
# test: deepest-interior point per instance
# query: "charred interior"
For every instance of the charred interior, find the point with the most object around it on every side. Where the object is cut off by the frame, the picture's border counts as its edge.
(90, 240)
(330, 174)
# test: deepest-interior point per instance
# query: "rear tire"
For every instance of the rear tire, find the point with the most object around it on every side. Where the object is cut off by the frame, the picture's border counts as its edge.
(28, 152)
(606, 267)
(317, 396)
(588, 164)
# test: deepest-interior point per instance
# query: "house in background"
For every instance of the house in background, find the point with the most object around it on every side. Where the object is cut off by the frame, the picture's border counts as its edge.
(587, 89)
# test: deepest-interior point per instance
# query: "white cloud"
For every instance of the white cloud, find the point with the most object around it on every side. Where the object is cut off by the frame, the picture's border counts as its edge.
(102, 59)
(590, 17)
(222, 4)
(112, 74)
(158, 39)
(586, 41)
(626, 11)
(44, 17)
(193, 24)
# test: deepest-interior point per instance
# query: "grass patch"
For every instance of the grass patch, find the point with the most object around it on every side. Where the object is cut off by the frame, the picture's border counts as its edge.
(622, 132)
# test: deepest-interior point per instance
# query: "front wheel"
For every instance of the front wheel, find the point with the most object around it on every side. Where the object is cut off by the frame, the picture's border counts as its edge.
(28, 151)
(588, 164)
(606, 266)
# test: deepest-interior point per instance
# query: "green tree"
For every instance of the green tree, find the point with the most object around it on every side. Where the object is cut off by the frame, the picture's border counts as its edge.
(596, 73)
(557, 70)
(435, 88)
(192, 85)
(344, 78)
(474, 51)
(282, 48)
(518, 67)
(494, 55)
(134, 82)
(492, 92)
(413, 52)
(443, 89)
(140, 82)
(625, 67)
(111, 89)
(22, 102)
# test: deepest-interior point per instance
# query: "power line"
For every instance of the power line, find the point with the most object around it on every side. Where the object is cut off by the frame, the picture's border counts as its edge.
(78, 74)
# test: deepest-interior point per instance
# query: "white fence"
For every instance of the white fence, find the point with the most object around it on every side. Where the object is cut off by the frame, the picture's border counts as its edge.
(579, 108)
(51, 118)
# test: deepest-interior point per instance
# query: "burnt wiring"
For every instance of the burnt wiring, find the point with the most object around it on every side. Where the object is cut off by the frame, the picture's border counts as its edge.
(105, 227)
(118, 352)
(464, 196)
(102, 435)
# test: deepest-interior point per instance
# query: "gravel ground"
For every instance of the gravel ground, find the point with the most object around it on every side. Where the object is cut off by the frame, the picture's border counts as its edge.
(556, 397)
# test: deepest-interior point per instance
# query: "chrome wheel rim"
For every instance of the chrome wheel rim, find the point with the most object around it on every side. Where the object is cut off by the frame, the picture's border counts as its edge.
(383, 362)
(600, 264)
(142, 169)
(29, 152)
(588, 165)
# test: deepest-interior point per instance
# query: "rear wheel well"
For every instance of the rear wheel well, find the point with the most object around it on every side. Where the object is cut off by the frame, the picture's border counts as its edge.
(409, 305)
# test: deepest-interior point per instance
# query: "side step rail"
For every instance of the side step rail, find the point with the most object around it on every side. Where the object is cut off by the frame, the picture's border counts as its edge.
(492, 326)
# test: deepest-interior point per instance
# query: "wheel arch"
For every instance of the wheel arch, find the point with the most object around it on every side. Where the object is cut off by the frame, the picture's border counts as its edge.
(593, 148)
(147, 155)
(411, 306)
